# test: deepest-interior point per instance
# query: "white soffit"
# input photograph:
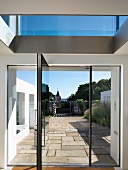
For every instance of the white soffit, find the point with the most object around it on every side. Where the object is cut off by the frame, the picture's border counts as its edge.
(4, 49)
(123, 50)
(63, 7)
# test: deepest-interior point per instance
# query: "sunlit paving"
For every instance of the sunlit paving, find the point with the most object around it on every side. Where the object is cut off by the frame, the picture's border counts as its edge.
(67, 141)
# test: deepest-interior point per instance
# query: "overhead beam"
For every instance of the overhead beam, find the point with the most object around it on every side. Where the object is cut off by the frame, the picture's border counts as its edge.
(63, 44)
(64, 7)
(121, 37)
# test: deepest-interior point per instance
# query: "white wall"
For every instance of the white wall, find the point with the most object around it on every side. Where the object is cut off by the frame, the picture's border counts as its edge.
(72, 59)
(105, 96)
(11, 114)
(115, 114)
(28, 89)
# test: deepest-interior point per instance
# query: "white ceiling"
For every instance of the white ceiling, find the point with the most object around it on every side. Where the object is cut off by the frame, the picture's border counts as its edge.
(75, 7)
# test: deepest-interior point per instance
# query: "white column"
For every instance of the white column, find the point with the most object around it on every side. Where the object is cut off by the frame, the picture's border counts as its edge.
(115, 114)
(3, 116)
(11, 114)
(124, 117)
(27, 112)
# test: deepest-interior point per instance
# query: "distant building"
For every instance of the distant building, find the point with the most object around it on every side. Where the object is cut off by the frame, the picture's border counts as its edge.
(58, 100)
(106, 96)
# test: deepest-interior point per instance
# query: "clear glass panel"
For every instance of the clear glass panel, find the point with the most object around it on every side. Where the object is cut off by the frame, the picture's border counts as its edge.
(105, 116)
(22, 106)
(67, 140)
(6, 19)
(67, 25)
(45, 109)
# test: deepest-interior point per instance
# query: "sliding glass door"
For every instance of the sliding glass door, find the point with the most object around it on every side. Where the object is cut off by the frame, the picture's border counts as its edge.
(50, 124)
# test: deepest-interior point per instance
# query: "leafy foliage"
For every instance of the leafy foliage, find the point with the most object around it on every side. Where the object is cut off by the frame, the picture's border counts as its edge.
(101, 114)
(80, 104)
(83, 90)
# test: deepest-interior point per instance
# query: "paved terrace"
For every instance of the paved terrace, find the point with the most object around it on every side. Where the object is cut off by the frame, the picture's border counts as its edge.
(67, 142)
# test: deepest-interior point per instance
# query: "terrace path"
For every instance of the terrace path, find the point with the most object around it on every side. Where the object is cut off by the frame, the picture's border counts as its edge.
(67, 142)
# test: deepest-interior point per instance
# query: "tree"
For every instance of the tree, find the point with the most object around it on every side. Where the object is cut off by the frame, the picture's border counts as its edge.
(83, 90)
(80, 104)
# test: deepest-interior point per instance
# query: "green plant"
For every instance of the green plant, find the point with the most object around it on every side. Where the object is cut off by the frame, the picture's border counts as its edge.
(80, 104)
(101, 114)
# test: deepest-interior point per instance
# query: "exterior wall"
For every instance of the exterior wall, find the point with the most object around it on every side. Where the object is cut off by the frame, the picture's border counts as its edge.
(25, 89)
(96, 59)
(106, 96)
(11, 114)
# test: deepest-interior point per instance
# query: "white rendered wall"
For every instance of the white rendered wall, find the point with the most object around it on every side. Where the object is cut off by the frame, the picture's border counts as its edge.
(11, 114)
(106, 96)
(72, 59)
(114, 150)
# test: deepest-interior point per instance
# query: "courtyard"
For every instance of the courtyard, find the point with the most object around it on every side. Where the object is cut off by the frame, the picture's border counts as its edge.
(67, 143)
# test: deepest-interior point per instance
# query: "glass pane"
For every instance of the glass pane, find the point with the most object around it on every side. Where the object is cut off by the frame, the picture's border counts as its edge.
(68, 131)
(105, 116)
(45, 109)
(67, 25)
(22, 108)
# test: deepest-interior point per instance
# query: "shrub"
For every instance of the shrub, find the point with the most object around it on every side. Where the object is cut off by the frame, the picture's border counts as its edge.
(101, 114)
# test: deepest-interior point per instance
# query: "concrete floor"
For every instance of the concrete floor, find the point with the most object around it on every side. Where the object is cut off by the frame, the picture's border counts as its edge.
(67, 142)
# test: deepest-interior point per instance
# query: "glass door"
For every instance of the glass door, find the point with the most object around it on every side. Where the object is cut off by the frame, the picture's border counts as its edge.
(105, 116)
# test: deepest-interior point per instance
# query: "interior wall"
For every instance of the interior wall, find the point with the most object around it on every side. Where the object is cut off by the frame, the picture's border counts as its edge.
(115, 111)
(11, 114)
(85, 7)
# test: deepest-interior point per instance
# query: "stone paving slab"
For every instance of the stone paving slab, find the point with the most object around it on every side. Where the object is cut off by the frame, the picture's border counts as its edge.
(72, 134)
(53, 141)
(79, 143)
(100, 142)
(51, 152)
(55, 159)
(57, 134)
(72, 147)
(23, 158)
(54, 137)
(27, 151)
(97, 151)
(67, 138)
(102, 159)
(78, 138)
(44, 152)
(78, 160)
(54, 146)
(74, 153)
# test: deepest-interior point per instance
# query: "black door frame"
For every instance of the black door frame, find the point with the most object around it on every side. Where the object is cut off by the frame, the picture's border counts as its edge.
(40, 62)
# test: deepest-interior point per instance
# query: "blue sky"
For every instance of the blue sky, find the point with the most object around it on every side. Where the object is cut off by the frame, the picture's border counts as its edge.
(66, 81)
(67, 25)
